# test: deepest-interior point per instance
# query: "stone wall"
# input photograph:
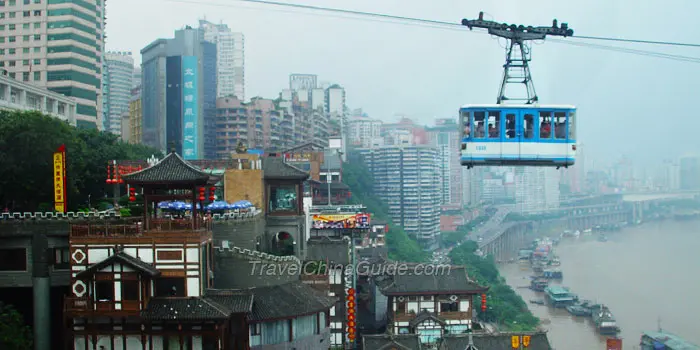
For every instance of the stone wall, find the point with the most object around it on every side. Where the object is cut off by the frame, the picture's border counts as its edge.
(247, 233)
(237, 268)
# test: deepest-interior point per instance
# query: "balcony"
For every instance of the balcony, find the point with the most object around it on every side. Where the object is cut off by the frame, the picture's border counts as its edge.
(74, 306)
(133, 228)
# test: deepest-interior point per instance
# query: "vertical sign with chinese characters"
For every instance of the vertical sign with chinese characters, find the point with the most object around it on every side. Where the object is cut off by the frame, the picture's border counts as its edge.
(59, 179)
(190, 117)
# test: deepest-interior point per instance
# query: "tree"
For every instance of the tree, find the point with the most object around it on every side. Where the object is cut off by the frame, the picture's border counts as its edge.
(27, 142)
(14, 333)
(358, 178)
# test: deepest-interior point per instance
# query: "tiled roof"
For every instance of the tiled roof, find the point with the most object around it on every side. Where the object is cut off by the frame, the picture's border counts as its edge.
(423, 316)
(171, 169)
(287, 300)
(335, 250)
(237, 301)
(499, 341)
(391, 341)
(309, 146)
(275, 168)
(418, 281)
(185, 309)
(122, 258)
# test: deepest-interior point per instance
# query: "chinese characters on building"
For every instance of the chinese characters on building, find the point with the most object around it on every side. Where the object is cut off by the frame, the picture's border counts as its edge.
(190, 148)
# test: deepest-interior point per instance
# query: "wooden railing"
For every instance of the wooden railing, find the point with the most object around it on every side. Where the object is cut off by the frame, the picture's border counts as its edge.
(85, 305)
(136, 229)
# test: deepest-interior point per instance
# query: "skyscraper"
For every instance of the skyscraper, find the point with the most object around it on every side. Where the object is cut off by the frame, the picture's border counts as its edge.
(445, 137)
(57, 45)
(230, 58)
(179, 94)
(119, 69)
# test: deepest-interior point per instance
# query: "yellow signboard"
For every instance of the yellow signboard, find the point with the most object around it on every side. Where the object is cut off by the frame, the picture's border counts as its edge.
(526, 340)
(59, 180)
(515, 341)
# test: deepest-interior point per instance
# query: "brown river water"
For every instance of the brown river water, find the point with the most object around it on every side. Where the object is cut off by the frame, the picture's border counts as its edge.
(647, 275)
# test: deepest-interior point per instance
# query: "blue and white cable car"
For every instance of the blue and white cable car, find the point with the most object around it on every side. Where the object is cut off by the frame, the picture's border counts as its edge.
(518, 135)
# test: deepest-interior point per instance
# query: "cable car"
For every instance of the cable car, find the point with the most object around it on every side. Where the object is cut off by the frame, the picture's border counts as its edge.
(518, 135)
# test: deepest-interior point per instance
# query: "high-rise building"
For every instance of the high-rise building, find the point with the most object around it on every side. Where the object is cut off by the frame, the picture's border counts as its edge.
(336, 111)
(179, 94)
(136, 80)
(135, 116)
(57, 45)
(230, 58)
(119, 74)
(364, 131)
(408, 180)
(445, 137)
(689, 173)
(536, 189)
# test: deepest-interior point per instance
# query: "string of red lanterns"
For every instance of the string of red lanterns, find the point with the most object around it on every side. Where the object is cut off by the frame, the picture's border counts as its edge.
(211, 193)
(115, 173)
(132, 194)
(483, 302)
(351, 314)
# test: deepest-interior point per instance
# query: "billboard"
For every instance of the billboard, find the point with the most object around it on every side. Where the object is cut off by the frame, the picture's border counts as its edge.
(59, 179)
(343, 221)
(190, 108)
(614, 344)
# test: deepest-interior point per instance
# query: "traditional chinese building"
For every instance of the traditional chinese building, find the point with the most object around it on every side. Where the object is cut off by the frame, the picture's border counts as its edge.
(146, 283)
(428, 303)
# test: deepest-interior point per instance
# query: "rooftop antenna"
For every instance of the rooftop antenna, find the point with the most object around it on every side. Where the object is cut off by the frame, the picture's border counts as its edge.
(516, 70)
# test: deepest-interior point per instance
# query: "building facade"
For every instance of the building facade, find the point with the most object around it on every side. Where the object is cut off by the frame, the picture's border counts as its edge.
(16, 95)
(179, 94)
(689, 169)
(230, 58)
(445, 137)
(119, 74)
(364, 131)
(57, 45)
(408, 180)
(536, 189)
(135, 116)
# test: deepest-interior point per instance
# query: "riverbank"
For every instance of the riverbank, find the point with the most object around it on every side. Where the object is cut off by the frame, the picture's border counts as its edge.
(638, 290)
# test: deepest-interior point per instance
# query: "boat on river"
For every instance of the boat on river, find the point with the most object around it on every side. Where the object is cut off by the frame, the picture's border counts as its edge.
(602, 238)
(578, 310)
(664, 340)
(604, 321)
(553, 274)
(538, 284)
(560, 297)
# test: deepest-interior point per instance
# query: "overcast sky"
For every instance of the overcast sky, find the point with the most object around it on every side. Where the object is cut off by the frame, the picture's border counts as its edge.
(628, 104)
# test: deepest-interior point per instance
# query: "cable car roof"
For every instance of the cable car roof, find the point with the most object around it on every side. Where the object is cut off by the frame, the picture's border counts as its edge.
(523, 106)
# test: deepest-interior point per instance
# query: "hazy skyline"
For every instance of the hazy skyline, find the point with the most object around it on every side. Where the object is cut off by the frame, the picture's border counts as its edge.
(624, 100)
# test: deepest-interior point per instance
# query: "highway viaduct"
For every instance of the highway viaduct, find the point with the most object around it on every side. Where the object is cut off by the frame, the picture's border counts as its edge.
(502, 240)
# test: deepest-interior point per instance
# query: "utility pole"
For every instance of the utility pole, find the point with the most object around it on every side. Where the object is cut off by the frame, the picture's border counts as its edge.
(516, 70)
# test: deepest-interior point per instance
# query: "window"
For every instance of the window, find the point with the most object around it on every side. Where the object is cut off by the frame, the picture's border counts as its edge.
(37, 61)
(13, 2)
(170, 287)
(529, 125)
(479, 119)
(494, 124)
(37, 25)
(12, 39)
(26, 13)
(37, 76)
(25, 37)
(283, 198)
(37, 49)
(255, 329)
(572, 126)
(13, 259)
(25, 26)
(13, 14)
(545, 125)
(12, 51)
(130, 290)
(2, 27)
(510, 126)
(25, 50)
(11, 63)
(449, 307)
(464, 122)
(61, 256)
(104, 290)
(27, 2)
(37, 37)
(2, 39)
(401, 307)
(37, 13)
(37, 1)
(559, 125)
(25, 62)
(11, 27)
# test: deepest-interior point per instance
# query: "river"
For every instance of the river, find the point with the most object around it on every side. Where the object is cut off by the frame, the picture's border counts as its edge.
(646, 275)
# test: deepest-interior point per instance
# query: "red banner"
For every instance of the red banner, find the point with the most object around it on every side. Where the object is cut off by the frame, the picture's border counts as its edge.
(614, 344)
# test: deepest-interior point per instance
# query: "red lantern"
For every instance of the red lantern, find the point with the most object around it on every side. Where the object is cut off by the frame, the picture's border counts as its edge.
(109, 175)
(351, 324)
(351, 317)
(212, 198)
(483, 302)
(121, 172)
(351, 291)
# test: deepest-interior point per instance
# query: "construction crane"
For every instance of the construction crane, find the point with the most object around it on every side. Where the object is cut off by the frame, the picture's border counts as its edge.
(517, 69)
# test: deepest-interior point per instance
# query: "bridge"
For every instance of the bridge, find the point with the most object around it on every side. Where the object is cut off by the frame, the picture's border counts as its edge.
(503, 239)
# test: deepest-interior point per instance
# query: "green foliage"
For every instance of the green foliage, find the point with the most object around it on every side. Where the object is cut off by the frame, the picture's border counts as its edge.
(125, 212)
(14, 333)
(358, 178)
(504, 305)
(27, 143)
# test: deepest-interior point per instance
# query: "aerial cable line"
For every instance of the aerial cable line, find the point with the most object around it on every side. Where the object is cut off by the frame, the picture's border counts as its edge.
(402, 20)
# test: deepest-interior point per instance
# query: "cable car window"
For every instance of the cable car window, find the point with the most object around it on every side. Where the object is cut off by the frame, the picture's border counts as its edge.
(479, 119)
(529, 125)
(545, 125)
(559, 125)
(510, 126)
(494, 124)
(572, 126)
(466, 129)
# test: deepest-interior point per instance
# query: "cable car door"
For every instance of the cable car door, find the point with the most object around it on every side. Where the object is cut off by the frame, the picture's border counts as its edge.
(527, 123)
